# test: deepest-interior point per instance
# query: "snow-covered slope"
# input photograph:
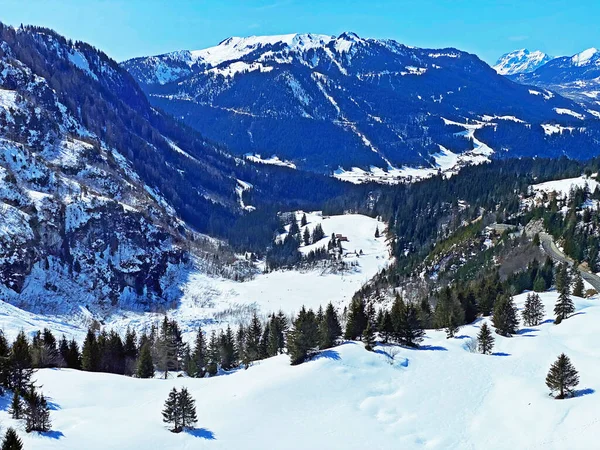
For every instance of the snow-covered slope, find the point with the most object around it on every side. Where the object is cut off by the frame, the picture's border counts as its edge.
(438, 397)
(325, 103)
(521, 61)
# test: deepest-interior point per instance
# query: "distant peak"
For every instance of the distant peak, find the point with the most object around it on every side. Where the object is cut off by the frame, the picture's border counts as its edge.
(349, 36)
(521, 61)
(583, 58)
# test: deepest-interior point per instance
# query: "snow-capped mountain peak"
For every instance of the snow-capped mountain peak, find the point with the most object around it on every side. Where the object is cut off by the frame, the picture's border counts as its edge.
(521, 61)
(586, 57)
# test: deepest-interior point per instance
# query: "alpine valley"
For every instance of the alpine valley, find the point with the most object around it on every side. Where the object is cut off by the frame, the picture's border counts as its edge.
(297, 241)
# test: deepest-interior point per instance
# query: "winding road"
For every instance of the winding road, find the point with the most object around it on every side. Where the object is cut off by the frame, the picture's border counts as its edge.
(554, 252)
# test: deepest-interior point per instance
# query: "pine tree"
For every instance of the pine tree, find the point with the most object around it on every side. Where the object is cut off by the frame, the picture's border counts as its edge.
(449, 314)
(228, 356)
(357, 319)
(564, 305)
(36, 412)
(485, 339)
(578, 287)
(253, 335)
(396, 314)
(306, 236)
(303, 338)
(213, 355)
(377, 232)
(171, 413)
(368, 337)
(19, 367)
(562, 279)
(562, 377)
(90, 353)
(74, 358)
(198, 356)
(505, 316)
(410, 331)
(11, 440)
(533, 313)
(16, 406)
(303, 221)
(145, 365)
(330, 329)
(187, 409)
(385, 326)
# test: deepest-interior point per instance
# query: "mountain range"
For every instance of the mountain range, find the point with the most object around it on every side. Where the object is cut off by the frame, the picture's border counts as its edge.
(338, 104)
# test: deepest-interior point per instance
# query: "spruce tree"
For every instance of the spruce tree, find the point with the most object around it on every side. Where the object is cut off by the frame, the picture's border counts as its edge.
(449, 314)
(368, 337)
(533, 312)
(562, 377)
(564, 306)
(303, 338)
(198, 356)
(306, 236)
(357, 319)
(74, 358)
(11, 440)
(171, 413)
(386, 328)
(36, 412)
(303, 221)
(253, 335)
(411, 332)
(145, 365)
(330, 329)
(20, 364)
(16, 406)
(90, 353)
(187, 409)
(485, 339)
(578, 286)
(505, 318)
(213, 355)
(396, 315)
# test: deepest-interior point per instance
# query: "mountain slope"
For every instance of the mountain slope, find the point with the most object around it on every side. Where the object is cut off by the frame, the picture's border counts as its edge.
(325, 102)
(576, 77)
(521, 61)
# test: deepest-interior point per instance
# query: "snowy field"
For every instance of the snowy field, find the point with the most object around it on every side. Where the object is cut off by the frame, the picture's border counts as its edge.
(214, 303)
(562, 187)
(439, 397)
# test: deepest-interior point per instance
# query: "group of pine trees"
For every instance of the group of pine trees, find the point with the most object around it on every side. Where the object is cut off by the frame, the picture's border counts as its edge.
(17, 363)
(180, 410)
(11, 440)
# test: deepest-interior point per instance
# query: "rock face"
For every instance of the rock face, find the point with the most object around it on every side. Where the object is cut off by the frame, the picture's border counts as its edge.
(81, 223)
(324, 102)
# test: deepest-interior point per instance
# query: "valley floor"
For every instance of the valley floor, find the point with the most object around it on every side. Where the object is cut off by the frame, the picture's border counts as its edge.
(441, 396)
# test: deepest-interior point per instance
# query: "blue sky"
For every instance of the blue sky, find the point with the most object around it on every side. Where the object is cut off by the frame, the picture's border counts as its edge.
(128, 28)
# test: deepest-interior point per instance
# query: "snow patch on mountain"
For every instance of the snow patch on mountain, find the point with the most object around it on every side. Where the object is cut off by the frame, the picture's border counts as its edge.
(569, 112)
(521, 61)
(585, 57)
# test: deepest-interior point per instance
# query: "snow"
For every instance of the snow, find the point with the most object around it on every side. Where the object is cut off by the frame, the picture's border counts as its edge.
(230, 70)
(550, 128)
(274, 160)
(583, 58)
(487, 118)
(569, 112)
(520, 61)
(439, 397)
(8, 99)
(562, 187)
(79, 60)
(239, 189)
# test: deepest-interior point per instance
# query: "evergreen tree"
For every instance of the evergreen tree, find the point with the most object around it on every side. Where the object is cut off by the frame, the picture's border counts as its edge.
(562, 279)
(130, 351)
(377, 232)
(564, 306)
(425, 313)
(187, 409)
(294, 228)
(533, 313)
(90, 353)
(213, 355)
(171, 413)
(306, 236)
(19, 365)
(469, 305)
(562, 377)
(145, 365)
(16, 406)
(36, 412)
(253, 335)
(539, 284)
(303, 338)
(449, 314)
(330, 329)
(227, 350)
(198, 357)
(578, 286)
(485, 339)
(396, 314)
(386, 328)
(368, 337)
(410, 331)
(505, 317)
(303, 221)
(74, 357)
(11, 440)
(357, 319)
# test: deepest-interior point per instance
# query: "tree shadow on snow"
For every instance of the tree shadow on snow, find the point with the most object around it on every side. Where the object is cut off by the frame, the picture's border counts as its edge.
(547, 321)
(525, 331)
(437, 348)
(327, 354)
(500, 354)
(583, 392)
(462, 336)
(5, 401)
(202, 433)
(577, 314)
(52, 434)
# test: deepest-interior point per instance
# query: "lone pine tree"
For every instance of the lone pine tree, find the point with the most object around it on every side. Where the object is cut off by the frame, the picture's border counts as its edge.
(533, 313)
(564, 305)
(505, 316)
(11, 440)
(179, 410)
(562, 377)
(36, 412)
(485, 339)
